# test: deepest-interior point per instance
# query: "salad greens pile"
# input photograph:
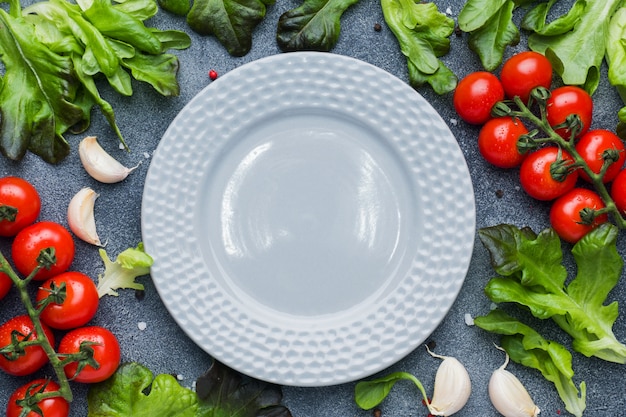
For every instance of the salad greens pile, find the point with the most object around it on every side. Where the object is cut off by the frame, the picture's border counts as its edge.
(121, 273)
(532, 275)
(134, 391)
(54, 51)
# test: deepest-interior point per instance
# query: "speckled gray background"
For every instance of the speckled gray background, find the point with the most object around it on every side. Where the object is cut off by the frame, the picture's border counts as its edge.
(164, 348)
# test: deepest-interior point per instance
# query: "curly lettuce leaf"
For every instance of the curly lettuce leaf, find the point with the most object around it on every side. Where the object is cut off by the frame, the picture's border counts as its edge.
(35, 96)
(532, 275)
(527, 347)
(314, 25)
(121, 273)
(230, 21)
(423, 34)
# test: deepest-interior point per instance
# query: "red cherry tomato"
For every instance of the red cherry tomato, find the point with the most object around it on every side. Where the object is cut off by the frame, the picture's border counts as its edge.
(618, 191)
(565, 214)
(106, 353)
(5, 285)
(593, 145)
(568, 100)
(80, 304)
(19, 205)
(34, 357)
(475, 95)
(536, 177)
(523, 72)
(497, 142)
(32, 240)
(50, 407)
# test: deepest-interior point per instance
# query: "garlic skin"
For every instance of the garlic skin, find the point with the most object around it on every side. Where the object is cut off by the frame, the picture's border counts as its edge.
(509, 396)
(80, 216)
(452, 387)
(99, 164)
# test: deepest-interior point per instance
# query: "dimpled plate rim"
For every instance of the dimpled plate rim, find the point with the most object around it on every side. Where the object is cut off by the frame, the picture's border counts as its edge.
(290, 352)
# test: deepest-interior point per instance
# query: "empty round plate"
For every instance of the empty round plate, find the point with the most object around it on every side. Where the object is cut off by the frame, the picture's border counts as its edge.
(311, 219)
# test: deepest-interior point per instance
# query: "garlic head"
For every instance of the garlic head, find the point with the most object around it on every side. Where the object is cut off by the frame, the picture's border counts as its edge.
(452, 387)
(509, 396)
(80, 216)
(100, 164)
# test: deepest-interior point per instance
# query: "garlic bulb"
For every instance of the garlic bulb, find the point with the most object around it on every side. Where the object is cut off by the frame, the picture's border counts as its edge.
(452, 387)
(99, 164)
(509, 396)
(80, 216)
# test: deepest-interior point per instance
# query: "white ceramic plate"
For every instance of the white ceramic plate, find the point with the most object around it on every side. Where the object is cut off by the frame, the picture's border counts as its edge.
(311, 219)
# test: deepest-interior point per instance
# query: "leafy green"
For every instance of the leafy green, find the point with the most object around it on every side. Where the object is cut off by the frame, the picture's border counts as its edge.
(53, 51)
(423, 34)
(575, 42)
(230, 21)
(314, 25)
(368, 394)
(134, 391)
(532, 274)
(121, 273)
(36, 94)
(527, 347)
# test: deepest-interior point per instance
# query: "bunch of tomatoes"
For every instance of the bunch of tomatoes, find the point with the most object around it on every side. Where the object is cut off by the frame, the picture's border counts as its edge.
(547, 172)
(65, 302)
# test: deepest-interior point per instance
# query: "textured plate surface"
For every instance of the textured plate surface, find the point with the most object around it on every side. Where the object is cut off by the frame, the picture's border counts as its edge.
(311, 219)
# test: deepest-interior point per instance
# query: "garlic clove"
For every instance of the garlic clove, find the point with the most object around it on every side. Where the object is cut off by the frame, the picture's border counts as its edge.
(80, 216)
(452, 387)
(509, 396)
(99, 164)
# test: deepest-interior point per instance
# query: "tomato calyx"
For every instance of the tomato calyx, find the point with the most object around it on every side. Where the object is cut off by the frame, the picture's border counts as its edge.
(588, 215)
(56, 295)
(32, 398)
(83, 358)
(561, 168)
(572, 125)
(17, 348)
(8, 213)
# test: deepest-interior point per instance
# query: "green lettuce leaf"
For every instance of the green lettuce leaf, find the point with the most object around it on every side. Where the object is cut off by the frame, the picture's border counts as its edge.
(532, 275)
(230, 21)
(314, 25)
(423, 34)
(121, 273)
(527, 347)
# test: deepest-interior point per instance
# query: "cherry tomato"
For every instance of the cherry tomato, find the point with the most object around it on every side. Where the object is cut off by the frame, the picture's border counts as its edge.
(475, 95)
(523, 72)
(565, 214)
(106, 353)
(50, 407)
(536, 177)
(34, 357)
(32, 240)
(592, 145)
(19, 205)
(5, 285)
(497, 142)
(618, 191)
(79, 306)
(568, 100)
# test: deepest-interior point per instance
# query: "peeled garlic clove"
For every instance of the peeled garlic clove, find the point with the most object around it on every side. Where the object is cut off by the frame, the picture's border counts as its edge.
(99, 164)
(80, 216)
(452, 387)
(509, 396)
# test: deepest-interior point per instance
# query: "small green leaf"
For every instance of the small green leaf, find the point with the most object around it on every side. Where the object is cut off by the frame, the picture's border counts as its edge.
(368, 394)
(130, 264)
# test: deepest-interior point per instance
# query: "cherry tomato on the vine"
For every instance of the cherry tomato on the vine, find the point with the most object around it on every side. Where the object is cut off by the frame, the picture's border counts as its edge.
(50, 407)
(475, 95)
(34, 356)
(497, 141)
(19, 205)
(523, 72)
(565, 214)
(618, 191)
(565, 101)
(29, 242)
(537, 173)
(106, 353)
(593, 145)
(5, 285)
(80, 303)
